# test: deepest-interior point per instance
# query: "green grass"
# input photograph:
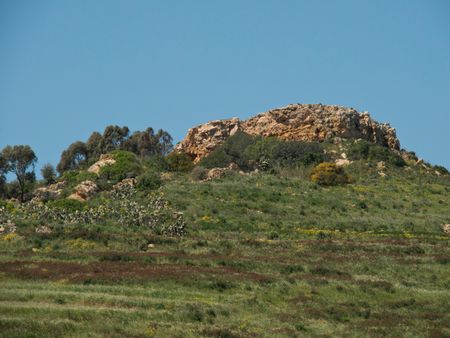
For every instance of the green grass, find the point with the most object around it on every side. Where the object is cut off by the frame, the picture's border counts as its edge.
(264, 256)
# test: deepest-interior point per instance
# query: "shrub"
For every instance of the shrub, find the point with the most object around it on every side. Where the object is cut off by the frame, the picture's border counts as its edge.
(180, 162)
(67, 205)
(329, 174)
(233, 150)
(48, 173)
(199, 173)
(150, 180)
(73, 177)
(365, 150)
(440, 169)
(217, 159)
(156, 163)
(296, 152)
(127, 165)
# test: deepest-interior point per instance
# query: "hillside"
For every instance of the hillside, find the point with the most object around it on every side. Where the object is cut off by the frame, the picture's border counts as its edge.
(305, 221)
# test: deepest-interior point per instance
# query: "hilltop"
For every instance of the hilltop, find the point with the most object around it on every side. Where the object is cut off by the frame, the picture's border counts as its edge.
(295, 122)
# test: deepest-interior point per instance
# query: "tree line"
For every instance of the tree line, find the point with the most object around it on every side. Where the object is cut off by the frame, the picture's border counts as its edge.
(20, 160)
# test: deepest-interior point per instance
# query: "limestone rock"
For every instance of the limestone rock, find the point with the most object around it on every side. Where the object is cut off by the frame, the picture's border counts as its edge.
(127, 182)
(202, 140)
(8, 228)
(84, 191)
(49, 192)
(381, 165)
(342, 162)
(43, 229)
(446, 228)
(105, 159)
(216, 173)
(299, 122)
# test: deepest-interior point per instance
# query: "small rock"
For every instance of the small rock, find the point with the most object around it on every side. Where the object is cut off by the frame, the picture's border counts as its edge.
(43, 229)
(381, 165)
(215, 173)
(151, 246)
(84, 191)
(127, 182)
(105, 159)
(8, 227)
(446, 228)
(342, 162)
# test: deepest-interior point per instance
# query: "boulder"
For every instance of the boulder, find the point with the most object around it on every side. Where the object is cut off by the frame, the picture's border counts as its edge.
(342, 162)
(84, 191)
(298, 122)
(202, 140)
(446, 228)
(215, 173)
(43, 229)
(125, 183)
(105, 159)
(8, 228)
(51, 191)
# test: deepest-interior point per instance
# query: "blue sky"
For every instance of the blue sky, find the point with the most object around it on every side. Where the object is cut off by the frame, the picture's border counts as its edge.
(68, 68)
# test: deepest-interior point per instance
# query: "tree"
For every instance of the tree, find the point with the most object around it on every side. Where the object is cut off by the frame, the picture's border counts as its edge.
(19, 160)
(113, 138)
(73, 156)
(3, 171)
(94, 144)
(48, 173)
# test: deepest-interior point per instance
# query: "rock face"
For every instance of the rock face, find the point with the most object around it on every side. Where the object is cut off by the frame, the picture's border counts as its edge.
(202, 140)
(84, 191)
(105, 159)
(297, 122)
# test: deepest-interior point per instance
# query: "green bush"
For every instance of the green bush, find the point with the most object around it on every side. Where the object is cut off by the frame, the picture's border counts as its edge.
(126, 166)
(199, 173)
(329, 174)
(217, 159)
(179, 162)
(261, 149)
(156, 163)
(149, 180)
(67, 205)
(296, 152)
(440, 169)
(250, 152)
(73, 177)
(365, 150)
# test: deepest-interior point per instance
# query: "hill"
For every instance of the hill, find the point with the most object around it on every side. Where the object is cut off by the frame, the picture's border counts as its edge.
(266, 229)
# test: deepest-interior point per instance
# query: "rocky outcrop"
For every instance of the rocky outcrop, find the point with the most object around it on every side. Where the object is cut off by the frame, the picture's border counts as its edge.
(299, 122)
(105, 159)
(51, 191)
(202, 140)
(84, 191)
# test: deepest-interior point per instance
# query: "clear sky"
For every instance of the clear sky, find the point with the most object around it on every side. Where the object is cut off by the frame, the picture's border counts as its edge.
(68, 68)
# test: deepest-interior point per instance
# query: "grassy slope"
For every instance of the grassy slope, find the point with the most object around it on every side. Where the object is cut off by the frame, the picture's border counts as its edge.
(265, 256)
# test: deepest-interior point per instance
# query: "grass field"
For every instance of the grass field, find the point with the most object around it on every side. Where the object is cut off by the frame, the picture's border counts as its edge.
(264, 256)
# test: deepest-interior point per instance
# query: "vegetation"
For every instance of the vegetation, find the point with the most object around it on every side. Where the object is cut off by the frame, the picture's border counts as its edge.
(254, 152)
(142, 143)
(19, 160)
(48, 173)
(179, 162)
(285, 251)
(126, 166)
(364, 150)
(329, 174)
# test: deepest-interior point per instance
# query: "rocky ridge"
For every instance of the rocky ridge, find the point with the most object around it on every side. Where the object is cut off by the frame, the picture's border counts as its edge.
(299, 122)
